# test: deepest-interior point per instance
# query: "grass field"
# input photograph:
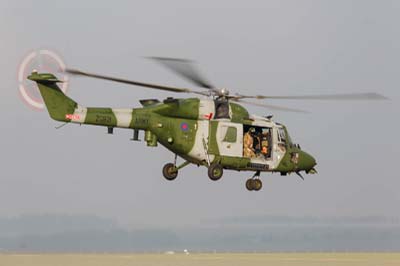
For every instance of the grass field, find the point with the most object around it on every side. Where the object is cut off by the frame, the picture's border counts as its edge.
(222, 259)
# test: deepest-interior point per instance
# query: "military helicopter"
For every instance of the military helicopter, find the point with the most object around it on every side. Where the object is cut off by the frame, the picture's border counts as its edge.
(214, 131)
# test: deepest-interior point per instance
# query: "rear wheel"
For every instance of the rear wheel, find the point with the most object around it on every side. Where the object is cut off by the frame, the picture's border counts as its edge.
(249, 184)
(253, 184)
(170, 172)
(215, 171)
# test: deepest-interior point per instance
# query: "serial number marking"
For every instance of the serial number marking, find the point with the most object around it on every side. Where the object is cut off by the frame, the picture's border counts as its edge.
(103, 119)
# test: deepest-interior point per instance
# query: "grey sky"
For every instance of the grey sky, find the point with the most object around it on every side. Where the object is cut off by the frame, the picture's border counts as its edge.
(253, 47)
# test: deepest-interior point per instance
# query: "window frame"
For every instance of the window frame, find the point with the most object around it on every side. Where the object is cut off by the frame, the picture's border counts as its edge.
(231, 132)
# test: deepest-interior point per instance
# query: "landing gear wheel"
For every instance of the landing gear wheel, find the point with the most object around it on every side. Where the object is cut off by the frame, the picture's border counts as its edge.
(257, 184)
(253, 184)
(215, 171)
(249, 184)
(169, 171)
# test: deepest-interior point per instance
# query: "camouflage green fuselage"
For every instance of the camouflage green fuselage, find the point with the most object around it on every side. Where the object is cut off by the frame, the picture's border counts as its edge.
(186, 127)
(163, 123)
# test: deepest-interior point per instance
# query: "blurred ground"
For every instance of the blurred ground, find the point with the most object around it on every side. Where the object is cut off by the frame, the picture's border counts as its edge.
(217, 259)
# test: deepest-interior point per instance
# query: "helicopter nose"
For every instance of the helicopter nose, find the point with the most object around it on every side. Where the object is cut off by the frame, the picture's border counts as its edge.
(306, 161)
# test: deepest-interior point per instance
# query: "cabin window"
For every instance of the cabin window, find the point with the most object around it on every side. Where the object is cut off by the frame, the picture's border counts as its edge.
(231, 134)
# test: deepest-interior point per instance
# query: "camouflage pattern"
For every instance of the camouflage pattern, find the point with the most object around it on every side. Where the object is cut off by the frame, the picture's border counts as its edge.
(186, 127)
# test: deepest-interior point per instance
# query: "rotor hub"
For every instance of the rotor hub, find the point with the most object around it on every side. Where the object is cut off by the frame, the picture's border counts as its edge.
(223, 92)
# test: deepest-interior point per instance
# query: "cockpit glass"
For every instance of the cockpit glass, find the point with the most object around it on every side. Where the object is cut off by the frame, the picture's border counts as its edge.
(288, 138)
(281, 135)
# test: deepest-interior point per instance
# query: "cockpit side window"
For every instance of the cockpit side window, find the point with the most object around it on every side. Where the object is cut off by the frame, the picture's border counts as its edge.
(281, 135)
(281, 140)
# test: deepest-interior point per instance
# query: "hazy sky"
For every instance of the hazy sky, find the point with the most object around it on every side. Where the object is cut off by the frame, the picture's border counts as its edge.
(253, 47)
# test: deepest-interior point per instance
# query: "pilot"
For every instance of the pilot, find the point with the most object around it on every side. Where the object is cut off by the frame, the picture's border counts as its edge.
(264, 143)
(248, 141)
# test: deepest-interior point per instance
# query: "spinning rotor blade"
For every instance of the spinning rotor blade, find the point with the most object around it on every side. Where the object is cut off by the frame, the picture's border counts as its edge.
(272, 107)
(186, 69)
(131, 82)
(335, 97)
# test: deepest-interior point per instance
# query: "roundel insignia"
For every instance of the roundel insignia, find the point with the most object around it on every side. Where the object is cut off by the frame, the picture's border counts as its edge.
(184, 126)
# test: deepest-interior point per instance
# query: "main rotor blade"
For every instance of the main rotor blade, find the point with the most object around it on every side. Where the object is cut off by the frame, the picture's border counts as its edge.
(186, 69)
(272, 107)
(335, 97)
(131, 82)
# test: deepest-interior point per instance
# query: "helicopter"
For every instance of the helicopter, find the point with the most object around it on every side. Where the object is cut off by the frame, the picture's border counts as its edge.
(213, 130)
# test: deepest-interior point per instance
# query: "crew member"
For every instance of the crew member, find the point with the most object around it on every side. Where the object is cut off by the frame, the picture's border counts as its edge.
(264, 143)
(248, 141)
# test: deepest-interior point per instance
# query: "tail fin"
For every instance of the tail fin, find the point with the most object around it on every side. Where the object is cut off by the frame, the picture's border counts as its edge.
(58, 104)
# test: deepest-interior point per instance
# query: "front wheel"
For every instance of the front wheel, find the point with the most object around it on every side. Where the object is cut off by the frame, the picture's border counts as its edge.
(170, 172)
(215, 171)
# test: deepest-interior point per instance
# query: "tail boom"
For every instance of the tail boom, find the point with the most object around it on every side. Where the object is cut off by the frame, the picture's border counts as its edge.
(64, 109)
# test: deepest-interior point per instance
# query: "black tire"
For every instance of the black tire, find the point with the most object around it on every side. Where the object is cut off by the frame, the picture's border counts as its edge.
(257, 184)
(169, 171)
(249, 184)
(215, 171)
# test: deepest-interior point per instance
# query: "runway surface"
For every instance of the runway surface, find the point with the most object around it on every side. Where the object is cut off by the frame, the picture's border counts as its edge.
(216, 259)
